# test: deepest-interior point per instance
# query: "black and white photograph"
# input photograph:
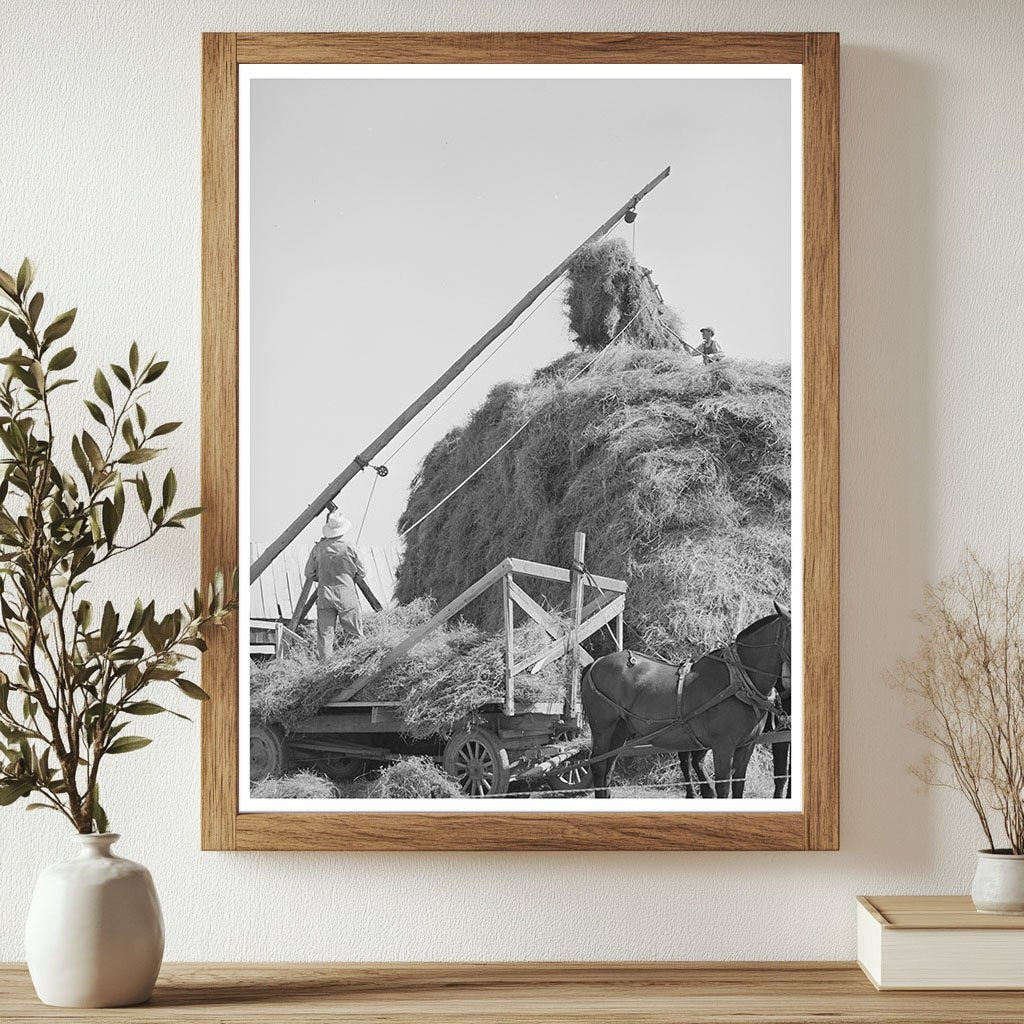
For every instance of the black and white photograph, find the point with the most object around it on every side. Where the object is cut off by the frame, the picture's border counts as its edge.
(520, 462)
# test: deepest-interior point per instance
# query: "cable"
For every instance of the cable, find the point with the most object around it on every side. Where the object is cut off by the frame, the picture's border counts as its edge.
(518, 431)
(491, 355)
(508, 337)
(581, 567)
(455, 490)
(464, 382)
(362, 522)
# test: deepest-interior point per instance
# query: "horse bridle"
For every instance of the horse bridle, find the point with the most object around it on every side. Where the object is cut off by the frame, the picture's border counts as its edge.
(746, 691)
(774, 642)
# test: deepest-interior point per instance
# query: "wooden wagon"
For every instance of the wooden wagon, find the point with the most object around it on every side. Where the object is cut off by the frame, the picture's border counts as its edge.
(498, 745)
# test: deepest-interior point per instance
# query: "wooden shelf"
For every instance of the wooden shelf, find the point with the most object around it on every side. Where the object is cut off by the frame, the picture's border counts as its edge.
(524, 993)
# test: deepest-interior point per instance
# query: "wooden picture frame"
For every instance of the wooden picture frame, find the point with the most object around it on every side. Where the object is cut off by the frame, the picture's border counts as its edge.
(816, 827)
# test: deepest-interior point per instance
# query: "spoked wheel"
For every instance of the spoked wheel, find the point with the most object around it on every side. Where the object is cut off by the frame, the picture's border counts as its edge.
(573, 776)
(267, 752)
(343, 767)
(477, 762)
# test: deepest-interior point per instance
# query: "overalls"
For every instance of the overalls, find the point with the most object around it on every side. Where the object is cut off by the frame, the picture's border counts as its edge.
(334, 564)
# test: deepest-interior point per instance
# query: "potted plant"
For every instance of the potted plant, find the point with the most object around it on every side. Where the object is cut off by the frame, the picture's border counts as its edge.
(82, 671)
(967, 682)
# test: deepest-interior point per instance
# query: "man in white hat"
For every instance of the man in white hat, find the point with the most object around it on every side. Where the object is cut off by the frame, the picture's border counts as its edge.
(335, 564)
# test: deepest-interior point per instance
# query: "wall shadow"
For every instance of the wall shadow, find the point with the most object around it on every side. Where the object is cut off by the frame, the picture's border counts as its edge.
(887, 280)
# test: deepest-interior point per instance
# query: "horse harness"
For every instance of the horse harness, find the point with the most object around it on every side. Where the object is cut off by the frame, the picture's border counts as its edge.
(741, 686)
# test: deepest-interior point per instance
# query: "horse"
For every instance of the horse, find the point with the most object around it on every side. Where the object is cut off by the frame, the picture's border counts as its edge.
(713, 706)
(692, 764)
(692, 761)
(781, 767)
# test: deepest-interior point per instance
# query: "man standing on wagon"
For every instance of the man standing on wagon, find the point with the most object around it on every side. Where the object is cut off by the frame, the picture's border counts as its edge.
(335, 565)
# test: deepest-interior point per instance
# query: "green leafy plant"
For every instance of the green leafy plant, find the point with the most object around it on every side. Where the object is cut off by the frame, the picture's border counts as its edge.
(81, 673)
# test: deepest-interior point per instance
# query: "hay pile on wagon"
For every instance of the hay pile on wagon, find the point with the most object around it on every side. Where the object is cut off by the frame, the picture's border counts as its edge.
(679, 473)
(454, 671)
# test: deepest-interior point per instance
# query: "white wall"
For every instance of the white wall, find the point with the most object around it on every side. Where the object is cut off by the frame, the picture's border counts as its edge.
(99, 181)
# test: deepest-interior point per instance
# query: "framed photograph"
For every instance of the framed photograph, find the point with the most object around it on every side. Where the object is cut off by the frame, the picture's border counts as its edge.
(520, 403)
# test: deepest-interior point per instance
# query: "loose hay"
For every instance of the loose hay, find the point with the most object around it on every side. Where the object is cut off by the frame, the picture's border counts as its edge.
(678, 472)
(294, 687)
(453, 672)
(414, 778)
(302, 785)
(609, 292)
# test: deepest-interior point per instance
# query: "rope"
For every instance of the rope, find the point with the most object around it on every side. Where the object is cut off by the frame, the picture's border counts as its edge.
(362, 522)
(518, 431)
(464, 382)
(455, 490)
(508, 337)
(522, 323)
(580, 567)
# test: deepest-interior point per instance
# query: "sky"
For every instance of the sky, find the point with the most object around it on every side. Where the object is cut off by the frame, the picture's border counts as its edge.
(394, 221)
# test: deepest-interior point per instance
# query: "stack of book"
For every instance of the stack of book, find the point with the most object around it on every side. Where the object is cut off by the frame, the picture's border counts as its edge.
(938, 942)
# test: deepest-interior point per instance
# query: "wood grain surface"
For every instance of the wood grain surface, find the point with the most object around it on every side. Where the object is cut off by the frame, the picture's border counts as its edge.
(219, 434)
(521, 48)
(821, 441)
(941, 913)
(524, 993)
(817, 827)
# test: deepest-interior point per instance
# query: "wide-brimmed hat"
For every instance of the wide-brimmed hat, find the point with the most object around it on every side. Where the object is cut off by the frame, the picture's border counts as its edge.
(337, 525)
(711, 329)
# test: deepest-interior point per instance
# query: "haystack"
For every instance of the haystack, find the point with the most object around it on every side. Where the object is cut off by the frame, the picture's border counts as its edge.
(609, 295)
(679, 474)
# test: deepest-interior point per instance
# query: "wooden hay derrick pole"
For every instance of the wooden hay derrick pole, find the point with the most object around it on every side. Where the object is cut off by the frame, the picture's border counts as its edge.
(326, 497)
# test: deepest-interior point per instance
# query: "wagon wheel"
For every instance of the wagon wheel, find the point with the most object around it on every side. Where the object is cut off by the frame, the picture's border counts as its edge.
(343, 767)
(573, 777)
(267, 752)
(477, 762)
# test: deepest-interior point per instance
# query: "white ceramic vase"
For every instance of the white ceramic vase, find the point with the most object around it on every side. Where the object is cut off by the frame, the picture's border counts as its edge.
(95, 934)
(999, 883)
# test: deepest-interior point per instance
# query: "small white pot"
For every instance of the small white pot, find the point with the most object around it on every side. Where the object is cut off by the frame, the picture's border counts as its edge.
(999, 883)
(95, 934)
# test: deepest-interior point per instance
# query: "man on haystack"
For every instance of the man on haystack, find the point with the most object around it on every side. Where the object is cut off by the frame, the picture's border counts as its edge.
(709, 349)
(335, 565)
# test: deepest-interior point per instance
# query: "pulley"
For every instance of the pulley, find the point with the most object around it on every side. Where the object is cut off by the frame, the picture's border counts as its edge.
(362, 463)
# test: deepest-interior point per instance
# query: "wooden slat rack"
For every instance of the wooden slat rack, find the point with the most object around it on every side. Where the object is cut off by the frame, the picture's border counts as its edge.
(604, 609)
(523, 993)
